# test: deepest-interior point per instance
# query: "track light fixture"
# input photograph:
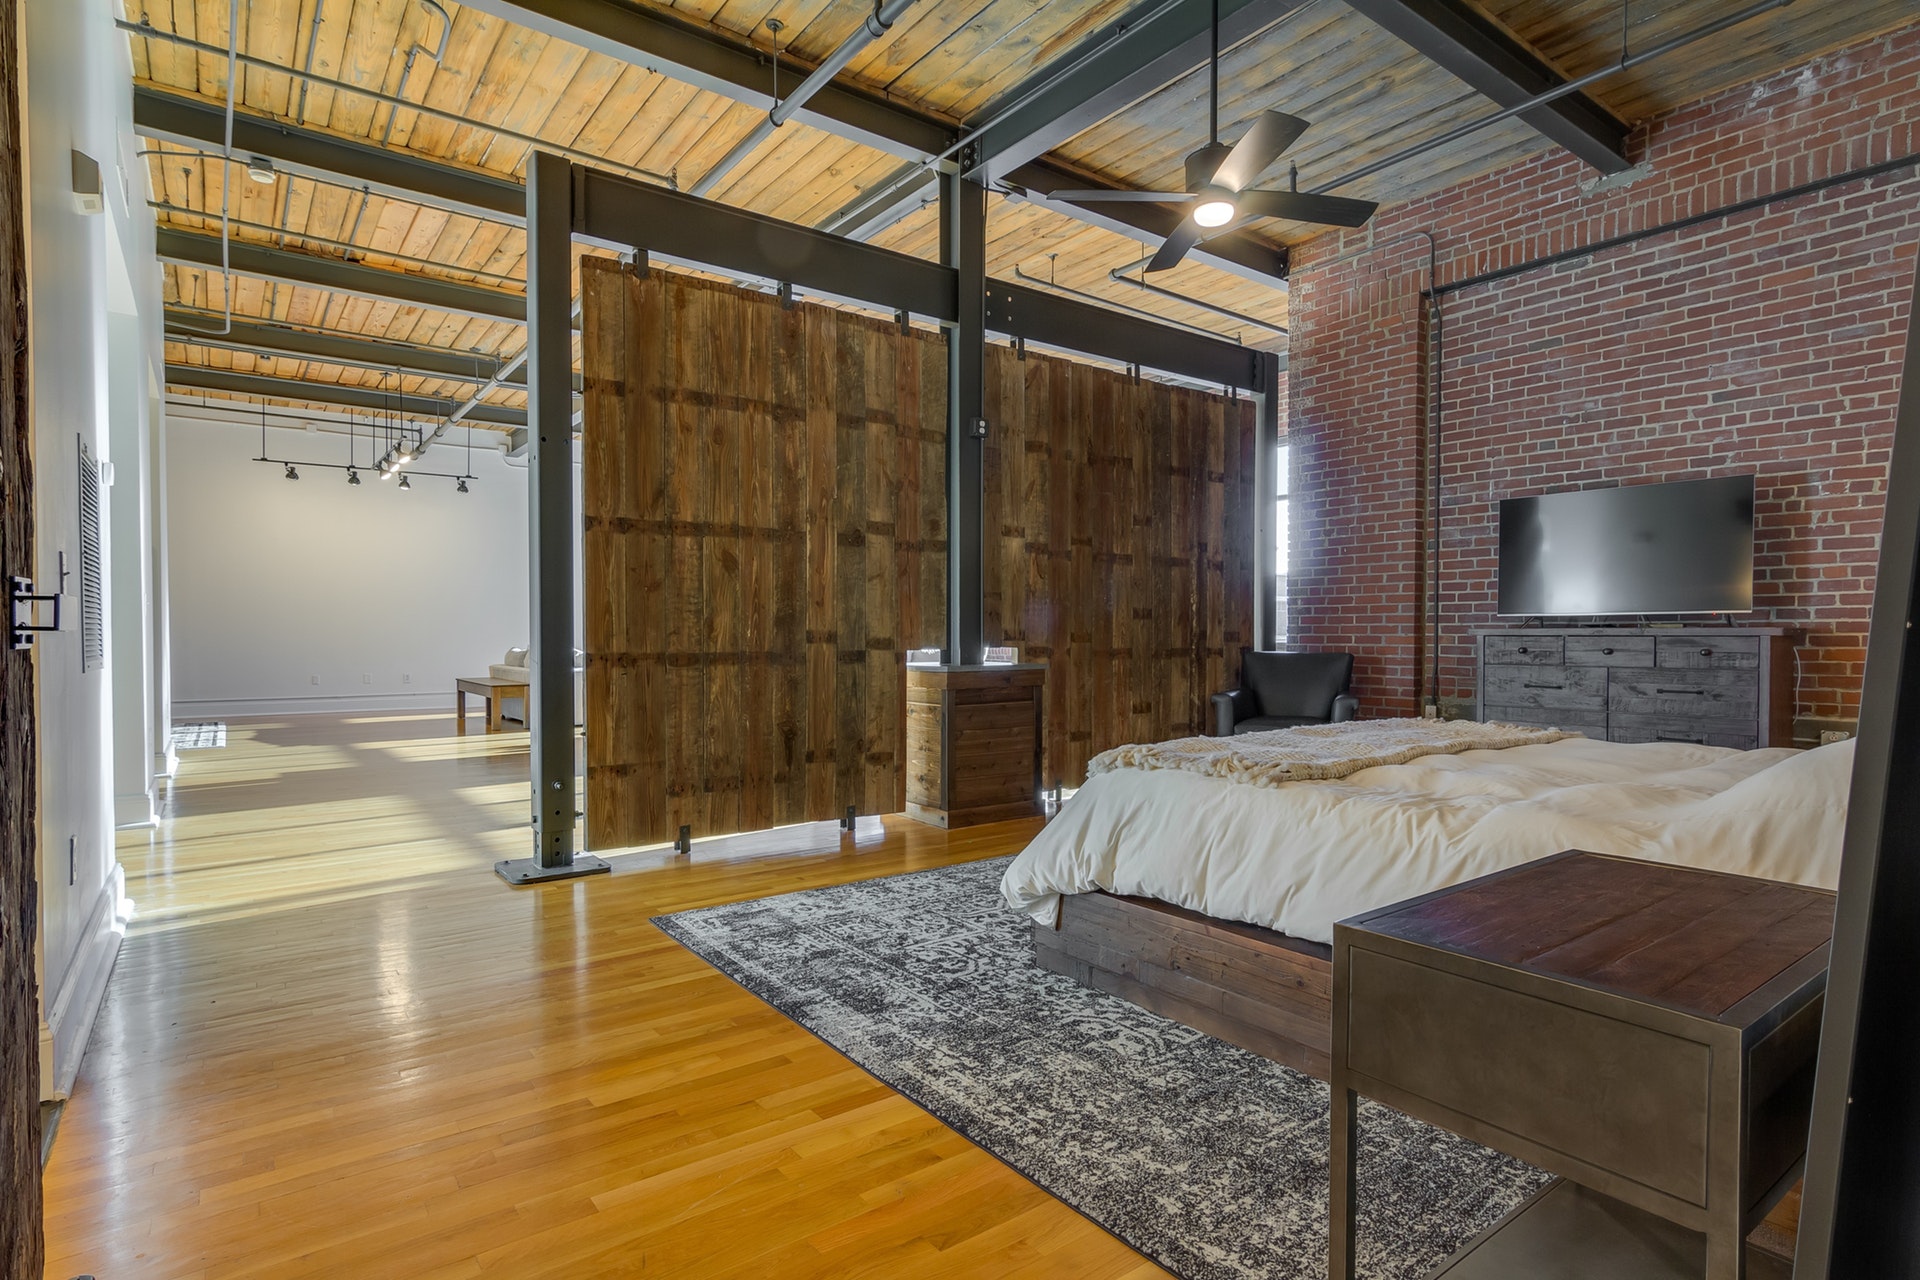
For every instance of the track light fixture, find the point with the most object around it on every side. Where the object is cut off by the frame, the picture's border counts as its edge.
(291, 473)
(460, 485)
(353, 477)
(404, 484)
(386, 472)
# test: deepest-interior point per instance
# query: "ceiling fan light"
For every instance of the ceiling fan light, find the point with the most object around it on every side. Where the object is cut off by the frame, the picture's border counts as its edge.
(1214, 211)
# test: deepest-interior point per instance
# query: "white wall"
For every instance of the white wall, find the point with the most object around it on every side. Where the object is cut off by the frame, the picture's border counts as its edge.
(78, 93)
(313, 595)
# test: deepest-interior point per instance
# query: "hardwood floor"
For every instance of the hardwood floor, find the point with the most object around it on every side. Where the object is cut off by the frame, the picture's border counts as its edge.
(337, 1046)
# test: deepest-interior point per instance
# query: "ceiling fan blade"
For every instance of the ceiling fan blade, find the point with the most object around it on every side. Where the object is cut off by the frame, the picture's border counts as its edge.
(1272, 133)
(1175, 247)
(1303, 206)
(1128, 197)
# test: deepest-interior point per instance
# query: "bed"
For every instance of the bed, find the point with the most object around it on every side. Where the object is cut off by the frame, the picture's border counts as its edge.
(1212, 901)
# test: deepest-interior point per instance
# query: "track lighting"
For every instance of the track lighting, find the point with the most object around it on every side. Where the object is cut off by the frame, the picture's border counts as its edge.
(404, 484)
(260, 169)
(291, 473)
(386, 472)
(460, 485)
(353, 477)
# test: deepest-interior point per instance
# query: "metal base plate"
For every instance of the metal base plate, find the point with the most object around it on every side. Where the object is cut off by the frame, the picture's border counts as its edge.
(528, 871)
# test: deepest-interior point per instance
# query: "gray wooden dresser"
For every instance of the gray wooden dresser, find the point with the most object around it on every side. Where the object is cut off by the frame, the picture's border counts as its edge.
(1719, 686)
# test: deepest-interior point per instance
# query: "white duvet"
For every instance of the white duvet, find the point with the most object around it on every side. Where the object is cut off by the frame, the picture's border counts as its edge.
(1302, 855)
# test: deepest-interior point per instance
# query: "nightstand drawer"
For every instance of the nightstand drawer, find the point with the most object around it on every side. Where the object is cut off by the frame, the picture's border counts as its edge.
(1603, 1092)
(1692, 651)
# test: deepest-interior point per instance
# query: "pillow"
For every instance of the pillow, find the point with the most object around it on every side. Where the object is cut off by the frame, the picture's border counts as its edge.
(515, 658)
(1297, 684)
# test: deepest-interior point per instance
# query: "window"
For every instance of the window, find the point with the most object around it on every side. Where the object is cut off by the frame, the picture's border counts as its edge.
(1280, 545)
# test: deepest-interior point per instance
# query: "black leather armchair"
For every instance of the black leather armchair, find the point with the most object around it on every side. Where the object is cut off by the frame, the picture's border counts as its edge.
(1282, 690)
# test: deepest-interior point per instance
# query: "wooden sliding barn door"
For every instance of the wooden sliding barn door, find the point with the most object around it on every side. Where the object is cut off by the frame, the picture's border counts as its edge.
(1119, 517)
(764, 540)
(21, 1243)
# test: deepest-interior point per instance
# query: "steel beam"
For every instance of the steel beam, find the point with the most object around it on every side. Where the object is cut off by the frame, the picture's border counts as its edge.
(1233, 251)
(1147, 49)
(699, 56)
(618, 211)
(963, 248)
(330, 348)
(1455, 35)
(344, 349)
(551, 207)
(1054, 321)
(1267, 621)
(193, 377)
(190, 248)
(191, 122)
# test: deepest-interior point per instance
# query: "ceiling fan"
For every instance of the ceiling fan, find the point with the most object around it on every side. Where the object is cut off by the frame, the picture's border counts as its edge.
(1218, 178)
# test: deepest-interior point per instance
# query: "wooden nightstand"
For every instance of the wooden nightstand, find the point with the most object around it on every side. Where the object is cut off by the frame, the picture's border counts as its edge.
(1645, 1031)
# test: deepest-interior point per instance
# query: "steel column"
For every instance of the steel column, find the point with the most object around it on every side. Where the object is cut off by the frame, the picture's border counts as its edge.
(1266, 514)
(963, 247)
(550, 516)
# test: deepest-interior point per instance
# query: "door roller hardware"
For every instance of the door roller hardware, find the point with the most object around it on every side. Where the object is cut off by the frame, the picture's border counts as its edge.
(22, 615)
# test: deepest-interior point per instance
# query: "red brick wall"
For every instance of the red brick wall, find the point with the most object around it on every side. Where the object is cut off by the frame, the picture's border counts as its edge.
(1765, 341)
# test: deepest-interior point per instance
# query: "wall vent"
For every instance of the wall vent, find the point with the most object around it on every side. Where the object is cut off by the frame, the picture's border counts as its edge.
(93, 647)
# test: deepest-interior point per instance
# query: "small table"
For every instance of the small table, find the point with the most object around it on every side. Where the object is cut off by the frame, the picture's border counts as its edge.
(494, 691)
(1645, 1031)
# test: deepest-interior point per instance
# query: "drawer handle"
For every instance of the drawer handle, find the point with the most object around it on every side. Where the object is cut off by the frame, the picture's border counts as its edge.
(1706, 653)
(1696, 693)
(1521, 649)
(1607, 652)
(1674, 737)
(1531, 685)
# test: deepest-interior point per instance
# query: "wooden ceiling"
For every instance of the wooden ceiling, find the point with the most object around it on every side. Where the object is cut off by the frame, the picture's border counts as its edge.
(1368, 94)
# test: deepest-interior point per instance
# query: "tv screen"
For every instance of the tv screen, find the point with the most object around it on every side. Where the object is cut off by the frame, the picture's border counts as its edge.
(1637, 549)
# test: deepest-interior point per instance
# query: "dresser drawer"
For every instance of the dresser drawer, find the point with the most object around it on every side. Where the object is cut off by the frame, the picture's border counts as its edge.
(1592, 721)
(1712, 652)
(1533, 651)
(1610, 651)
(1691, 696)
(1741, 735)
(1563, 688)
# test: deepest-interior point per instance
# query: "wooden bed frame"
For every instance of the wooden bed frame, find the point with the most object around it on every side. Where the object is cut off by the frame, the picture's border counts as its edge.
(1267, 992)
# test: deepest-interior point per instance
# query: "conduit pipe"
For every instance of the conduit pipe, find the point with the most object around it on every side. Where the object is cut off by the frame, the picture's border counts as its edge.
(877, 24)
(1110, 304)
(147, 31)
(226, 172)
(1559, 91)
(400, 91)
(1117, 277)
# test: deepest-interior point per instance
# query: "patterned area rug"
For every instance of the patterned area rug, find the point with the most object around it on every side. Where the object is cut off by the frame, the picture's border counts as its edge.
(200, 735)
(1208, 1159)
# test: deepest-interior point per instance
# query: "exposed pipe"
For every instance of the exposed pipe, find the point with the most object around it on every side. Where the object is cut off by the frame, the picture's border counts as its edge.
(400, 91)
(1097, 300)
(300, 115)
(874, 27)
(1118, 278)
(226, 170)
(1556, 93)
(146, 30)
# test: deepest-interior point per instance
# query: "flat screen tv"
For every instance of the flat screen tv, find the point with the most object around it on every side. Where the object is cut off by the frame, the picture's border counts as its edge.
(1636, 549)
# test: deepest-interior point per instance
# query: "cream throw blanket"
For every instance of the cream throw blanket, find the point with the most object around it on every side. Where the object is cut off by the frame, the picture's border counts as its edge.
(1316, 752)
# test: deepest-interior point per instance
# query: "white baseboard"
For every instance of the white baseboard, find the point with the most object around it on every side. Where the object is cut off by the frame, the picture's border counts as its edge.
(70, 1015)
(185, 709)
(133, 811)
